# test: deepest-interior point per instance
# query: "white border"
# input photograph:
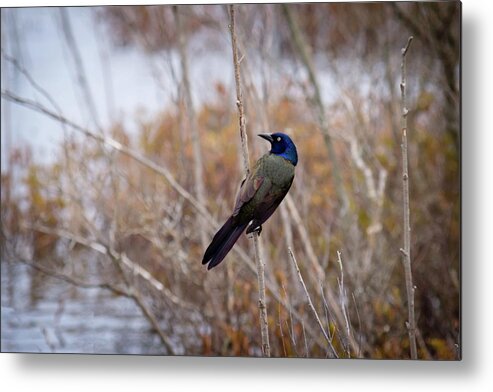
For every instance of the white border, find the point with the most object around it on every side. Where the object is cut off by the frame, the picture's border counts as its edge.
(123, 373)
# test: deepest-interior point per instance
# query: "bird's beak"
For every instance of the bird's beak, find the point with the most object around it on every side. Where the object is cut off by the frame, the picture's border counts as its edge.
(266, 136)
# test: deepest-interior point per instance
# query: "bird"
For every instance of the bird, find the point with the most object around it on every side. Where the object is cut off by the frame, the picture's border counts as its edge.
(259, 195)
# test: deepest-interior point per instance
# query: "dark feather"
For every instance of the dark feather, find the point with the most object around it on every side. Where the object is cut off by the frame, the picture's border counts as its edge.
(248, 189)
(265, 209)
(222, 242)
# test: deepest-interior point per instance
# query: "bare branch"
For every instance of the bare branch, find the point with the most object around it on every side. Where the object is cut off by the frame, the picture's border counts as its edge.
(264, 326)
(310, 304)
(303, 50)
(343, 299)
(81, 75)
(239, 93)
(192, 122)
(406, 251)
(300, 226)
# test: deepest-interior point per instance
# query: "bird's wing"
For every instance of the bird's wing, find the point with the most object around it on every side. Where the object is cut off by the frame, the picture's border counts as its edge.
(249, 187)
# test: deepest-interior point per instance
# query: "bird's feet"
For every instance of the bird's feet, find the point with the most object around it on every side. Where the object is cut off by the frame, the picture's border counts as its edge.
(254, 229)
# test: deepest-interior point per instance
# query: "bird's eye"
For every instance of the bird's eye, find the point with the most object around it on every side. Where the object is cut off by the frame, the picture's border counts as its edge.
(278, 139)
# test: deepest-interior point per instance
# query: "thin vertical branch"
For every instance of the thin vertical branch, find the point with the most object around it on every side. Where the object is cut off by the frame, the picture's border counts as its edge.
(288, 234)
(307, 355)
(192, 122)
(302, 48)
(264, 327)
(310, 303)
(81, 75)
(358, 353)
(6, 122)
(280, 330)
(343, 299)
(303, 232)
(239, 93)
(406, 252)
(106, 69)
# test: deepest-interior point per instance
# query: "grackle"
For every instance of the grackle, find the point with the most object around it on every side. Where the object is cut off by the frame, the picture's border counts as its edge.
(260, 194)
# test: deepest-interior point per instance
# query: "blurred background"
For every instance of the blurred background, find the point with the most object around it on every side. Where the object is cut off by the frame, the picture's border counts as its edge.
(121, 157)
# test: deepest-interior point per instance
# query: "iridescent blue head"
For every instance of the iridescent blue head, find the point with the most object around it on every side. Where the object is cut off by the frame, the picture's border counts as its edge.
(282, 145)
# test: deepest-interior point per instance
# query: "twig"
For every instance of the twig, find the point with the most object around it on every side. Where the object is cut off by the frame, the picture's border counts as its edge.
(302, 48)
(358, 353)
(290, 326)
(239, 93)
(342, 295)
(327, 313)
(192, 122)
(310, 303)
(406, 251)
(32, 82)
(305, 239)
(264, 326)
(288, 234)
(292, 337)
(304, 339)
(280, 330)
(104, 57)
(81, 75)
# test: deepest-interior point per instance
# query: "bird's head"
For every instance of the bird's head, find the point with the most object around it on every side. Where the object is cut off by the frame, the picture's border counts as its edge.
(282, 145)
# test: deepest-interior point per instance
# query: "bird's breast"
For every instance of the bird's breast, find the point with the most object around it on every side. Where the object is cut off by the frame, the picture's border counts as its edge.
(278, 169)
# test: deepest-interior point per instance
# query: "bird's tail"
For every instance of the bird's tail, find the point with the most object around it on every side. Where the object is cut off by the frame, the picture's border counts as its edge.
(222, 242)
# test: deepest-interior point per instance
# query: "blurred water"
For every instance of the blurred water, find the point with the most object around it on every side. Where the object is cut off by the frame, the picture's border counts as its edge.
(44, 314)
